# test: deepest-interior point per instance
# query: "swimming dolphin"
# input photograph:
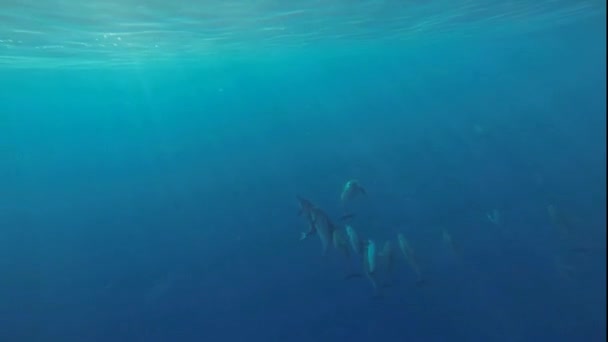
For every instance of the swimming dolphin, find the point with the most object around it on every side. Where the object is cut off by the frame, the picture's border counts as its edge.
(371, 255)
(306, 209)
(388, 254)
(355, 243)
(341, 242)
(410, 257)
(447, 239)
(369, 267)
(387, 261)
(351, 189)
(324, 227)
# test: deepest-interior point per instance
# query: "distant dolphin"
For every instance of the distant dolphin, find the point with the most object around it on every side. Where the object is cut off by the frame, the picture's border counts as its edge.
(355, 243)
(341, 242)
(388, 256)
(371, 256)
(369, 266)
(447, 239)
(410, 257)
(306, 209)
(387, 261)
(351, 189)
(324, 228)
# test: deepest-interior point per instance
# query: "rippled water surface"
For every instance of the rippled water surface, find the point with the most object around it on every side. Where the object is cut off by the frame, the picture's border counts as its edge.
(121, 32)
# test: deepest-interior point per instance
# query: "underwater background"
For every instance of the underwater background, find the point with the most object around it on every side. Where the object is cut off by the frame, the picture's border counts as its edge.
(151, 153)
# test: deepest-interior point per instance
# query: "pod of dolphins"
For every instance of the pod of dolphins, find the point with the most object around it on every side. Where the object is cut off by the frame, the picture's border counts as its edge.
(376, 264)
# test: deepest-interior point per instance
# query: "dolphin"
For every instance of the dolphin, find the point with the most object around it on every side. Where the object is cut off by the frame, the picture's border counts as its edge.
(306, 209)
(351, 189)
(371, 255)
(369, 267)
(341, 242)
(355, 243)
(324, 227)
(410, 257)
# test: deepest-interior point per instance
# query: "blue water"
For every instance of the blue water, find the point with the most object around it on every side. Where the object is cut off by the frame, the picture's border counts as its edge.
(151, 153)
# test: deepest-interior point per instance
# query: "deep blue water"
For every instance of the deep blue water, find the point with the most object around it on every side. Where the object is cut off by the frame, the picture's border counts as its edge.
(157, 202)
